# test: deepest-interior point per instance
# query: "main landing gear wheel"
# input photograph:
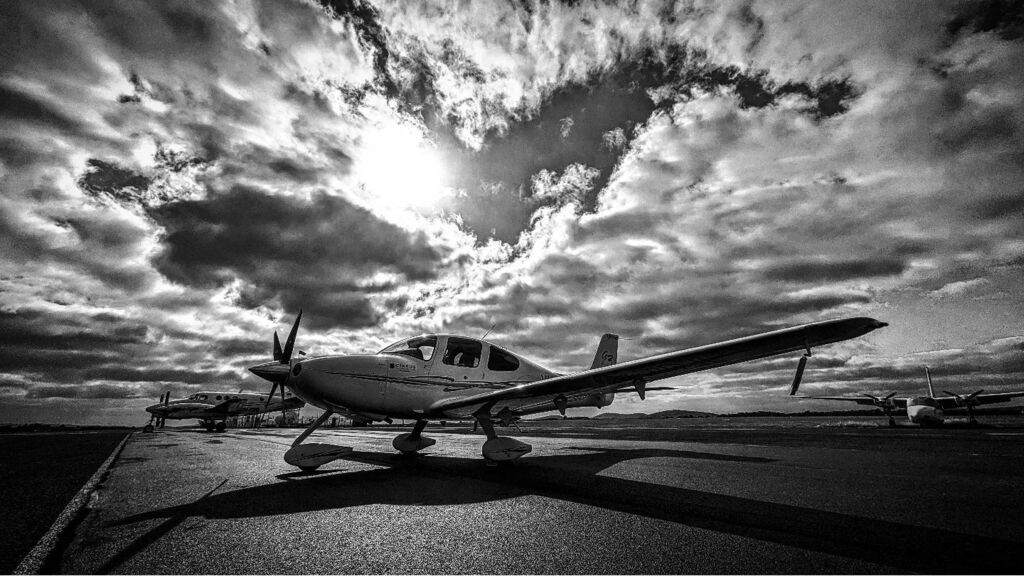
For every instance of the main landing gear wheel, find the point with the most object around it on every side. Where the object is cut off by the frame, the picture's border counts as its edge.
(499, 449)
(147, 428)
(411, 443)
(221, 426)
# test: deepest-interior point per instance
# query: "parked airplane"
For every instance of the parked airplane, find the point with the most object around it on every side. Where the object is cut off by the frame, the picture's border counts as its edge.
(926, 410)
(213, 408)
(446, 376)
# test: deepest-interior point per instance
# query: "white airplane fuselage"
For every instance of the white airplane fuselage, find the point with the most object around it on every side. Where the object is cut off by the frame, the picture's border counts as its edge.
(200, 406)
(925, 411)
(394, 385)
(404, 381)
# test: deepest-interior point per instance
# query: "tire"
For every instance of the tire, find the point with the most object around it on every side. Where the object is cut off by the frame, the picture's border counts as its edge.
(221, 426)
(308, 468)
(148, 428)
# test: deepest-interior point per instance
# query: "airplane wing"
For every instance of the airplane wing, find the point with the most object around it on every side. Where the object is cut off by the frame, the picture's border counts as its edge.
(679, 362)
(225, 407)
(897, 402)
(947, 402)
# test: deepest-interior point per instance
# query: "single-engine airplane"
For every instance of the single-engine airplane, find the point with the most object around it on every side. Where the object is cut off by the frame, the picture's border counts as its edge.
(446, 376)
(213, 408)
(926, 410)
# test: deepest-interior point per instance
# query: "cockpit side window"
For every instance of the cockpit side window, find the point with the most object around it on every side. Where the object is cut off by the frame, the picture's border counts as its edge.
(421, 347)
(462, 352)
(502, 361)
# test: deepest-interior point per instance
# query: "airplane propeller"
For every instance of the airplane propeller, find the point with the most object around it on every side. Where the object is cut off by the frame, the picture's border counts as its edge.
(276, 372)
(166, 398)
(886, 404)
(159, 421)
(969, 401)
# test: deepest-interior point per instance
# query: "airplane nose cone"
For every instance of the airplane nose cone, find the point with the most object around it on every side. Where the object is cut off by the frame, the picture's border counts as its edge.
(271, 371)
(876, 324)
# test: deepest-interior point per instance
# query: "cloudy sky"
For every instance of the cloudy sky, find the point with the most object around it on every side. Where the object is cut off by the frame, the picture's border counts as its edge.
(180, 178)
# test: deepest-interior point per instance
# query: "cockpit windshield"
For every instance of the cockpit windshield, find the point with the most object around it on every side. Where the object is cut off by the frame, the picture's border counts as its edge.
(420, 347)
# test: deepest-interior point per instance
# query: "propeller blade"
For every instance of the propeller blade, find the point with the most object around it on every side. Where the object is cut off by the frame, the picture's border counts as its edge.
(890, 395)
(277, 347)
(973, 395)
(289, 344)
(799, 375)
(957, 396)
(271, 395)
(167, 397)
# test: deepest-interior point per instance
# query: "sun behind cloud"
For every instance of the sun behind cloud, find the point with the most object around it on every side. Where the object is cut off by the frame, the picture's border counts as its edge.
(399, 169)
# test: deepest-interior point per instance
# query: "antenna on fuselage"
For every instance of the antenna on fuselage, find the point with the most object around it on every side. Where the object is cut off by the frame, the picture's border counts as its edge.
(488, 330)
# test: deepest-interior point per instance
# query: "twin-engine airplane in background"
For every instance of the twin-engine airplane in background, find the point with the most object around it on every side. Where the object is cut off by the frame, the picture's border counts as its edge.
(445, 376)
(213, 408)
(926, 410)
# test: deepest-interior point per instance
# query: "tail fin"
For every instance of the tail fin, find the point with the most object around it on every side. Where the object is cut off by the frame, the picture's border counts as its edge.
(607, 351)
(928, 375)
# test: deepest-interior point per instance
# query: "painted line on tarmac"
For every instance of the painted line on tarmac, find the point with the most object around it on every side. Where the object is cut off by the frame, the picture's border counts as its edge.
(33, 562)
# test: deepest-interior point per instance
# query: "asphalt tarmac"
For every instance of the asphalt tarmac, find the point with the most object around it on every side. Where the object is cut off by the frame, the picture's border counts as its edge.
(40, 472)
(590, 498)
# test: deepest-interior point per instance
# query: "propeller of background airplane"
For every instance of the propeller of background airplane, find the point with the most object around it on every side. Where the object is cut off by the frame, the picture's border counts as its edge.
(969, 401)
(159, 420)
(276, 372)
(886, 404)
(165, 399)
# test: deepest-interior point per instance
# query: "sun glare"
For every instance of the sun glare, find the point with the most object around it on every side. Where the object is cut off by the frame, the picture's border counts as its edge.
(400, 169)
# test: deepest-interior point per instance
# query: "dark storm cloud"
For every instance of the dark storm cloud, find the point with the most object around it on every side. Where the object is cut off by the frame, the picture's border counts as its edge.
(58, 346)
(108, 178)
(19, 106)
(1004, 17)
(40, 330)
(103, 356)
(612, 100)
(806, 270)
(365, 18)
(91, 391)
(314, 254)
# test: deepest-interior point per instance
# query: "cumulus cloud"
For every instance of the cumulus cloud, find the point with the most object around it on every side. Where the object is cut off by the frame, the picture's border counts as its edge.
(180, 179)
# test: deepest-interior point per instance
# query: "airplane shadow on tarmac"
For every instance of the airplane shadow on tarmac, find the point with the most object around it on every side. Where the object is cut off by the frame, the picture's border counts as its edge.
(573, 477)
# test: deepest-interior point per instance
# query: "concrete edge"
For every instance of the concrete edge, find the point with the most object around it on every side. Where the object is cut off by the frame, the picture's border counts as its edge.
(33, 562)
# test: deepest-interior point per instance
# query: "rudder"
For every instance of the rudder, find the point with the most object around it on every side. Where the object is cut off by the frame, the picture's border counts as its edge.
(607, 351)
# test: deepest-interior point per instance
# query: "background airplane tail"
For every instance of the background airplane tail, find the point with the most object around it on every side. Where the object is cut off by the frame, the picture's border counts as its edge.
(607, 351)
(928, 375)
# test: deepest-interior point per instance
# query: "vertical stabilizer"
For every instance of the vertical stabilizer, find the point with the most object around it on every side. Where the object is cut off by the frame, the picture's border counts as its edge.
(928, 375)
(607, 351)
